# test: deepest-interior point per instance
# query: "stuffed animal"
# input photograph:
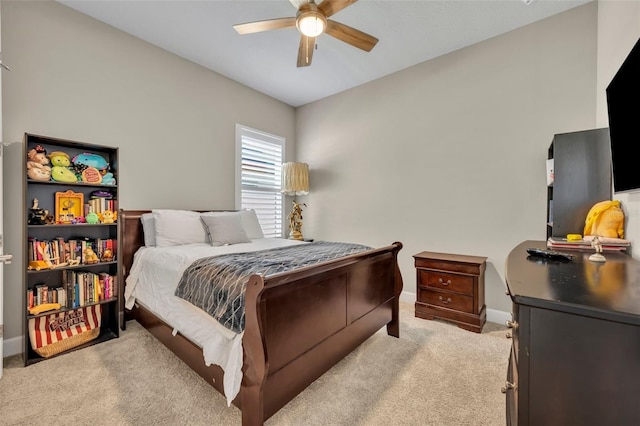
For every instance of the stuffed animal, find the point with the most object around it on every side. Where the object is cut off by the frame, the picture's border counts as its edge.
(107, 216)
(92, 218)
(92, 160)
(60, 171)
(108, 179)
(59, 158)
(605, 219)
(90, 256)
(98, 162)
(37, 164)
(63, 174)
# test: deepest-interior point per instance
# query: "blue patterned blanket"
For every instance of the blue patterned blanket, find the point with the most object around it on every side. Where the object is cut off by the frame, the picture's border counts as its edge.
(217, 284)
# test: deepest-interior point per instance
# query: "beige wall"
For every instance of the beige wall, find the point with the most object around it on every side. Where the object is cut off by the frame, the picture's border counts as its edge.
(618, 32)
(449, 155)
(445, 156)
(76, 78)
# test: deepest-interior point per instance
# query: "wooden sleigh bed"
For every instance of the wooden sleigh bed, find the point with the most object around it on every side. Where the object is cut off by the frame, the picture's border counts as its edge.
(298, 324)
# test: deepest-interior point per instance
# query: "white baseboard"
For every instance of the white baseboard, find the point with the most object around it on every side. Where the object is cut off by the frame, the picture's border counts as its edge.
(493, 315)
(499, 317)
(12, 346)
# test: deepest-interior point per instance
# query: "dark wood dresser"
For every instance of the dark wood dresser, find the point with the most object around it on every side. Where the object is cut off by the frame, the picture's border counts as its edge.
(575, 358)
(451, 287)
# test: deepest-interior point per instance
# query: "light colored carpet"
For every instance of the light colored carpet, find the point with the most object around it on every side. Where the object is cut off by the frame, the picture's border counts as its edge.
(435, 374)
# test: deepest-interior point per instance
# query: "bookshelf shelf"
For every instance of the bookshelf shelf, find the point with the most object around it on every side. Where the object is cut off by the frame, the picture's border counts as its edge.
(57, 311)
(76, 279)
(70, 184)
(81, 266)
(72, 225)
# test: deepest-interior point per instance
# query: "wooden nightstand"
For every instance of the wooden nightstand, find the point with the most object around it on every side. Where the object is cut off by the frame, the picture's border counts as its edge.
(451, 287)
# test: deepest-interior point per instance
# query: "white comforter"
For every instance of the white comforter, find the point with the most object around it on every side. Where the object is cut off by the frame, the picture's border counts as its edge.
(152, 282)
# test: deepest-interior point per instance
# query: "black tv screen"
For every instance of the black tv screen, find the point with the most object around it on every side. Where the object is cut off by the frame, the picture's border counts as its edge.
(623, 104)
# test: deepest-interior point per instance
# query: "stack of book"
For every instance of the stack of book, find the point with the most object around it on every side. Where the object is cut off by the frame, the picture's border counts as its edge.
(608, 244)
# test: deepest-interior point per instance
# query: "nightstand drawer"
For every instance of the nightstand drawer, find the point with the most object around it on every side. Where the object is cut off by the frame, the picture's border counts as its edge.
(454, 301)
(443, 281)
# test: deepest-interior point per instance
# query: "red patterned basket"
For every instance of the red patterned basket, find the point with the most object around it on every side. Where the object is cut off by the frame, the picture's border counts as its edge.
(56, 333)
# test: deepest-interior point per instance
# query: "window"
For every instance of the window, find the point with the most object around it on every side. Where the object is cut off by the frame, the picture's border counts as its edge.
(258, 172)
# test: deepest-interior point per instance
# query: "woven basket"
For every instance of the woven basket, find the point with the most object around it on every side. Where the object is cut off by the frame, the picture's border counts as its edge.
(56, 333)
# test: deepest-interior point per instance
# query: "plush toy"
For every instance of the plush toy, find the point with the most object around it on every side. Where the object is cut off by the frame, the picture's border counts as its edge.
(107, 216)
(63, 174)
(90, 256)
(37, 164)
(108, 179)
(605, 219)
(91, 160)
(92, 218)
(59, 158)
(78, 219)
(60, 171)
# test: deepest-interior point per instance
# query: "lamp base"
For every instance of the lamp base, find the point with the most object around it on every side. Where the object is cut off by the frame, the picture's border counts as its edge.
(295, 235)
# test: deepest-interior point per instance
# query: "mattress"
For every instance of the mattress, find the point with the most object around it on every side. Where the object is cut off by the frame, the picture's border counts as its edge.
(152, 282)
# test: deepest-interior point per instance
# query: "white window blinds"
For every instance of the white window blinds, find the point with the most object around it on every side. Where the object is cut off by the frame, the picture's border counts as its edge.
(258, 181)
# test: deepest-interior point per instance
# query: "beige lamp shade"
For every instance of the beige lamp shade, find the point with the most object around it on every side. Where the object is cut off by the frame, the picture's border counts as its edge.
(295, 178)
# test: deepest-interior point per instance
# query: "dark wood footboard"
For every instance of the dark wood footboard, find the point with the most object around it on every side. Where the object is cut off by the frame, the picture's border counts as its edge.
(298, 324)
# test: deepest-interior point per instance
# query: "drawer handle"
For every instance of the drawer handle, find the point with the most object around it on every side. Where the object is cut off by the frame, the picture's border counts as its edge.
(441, 281)
(508, 335)
(507, 386)
(447, 301)
(511, 324)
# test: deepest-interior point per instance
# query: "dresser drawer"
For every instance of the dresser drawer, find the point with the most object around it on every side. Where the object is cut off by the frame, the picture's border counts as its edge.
(443, 281)
(446, 300)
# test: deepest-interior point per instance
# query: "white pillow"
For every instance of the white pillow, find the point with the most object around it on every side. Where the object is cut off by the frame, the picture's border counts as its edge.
(149, 229)
(225, 228)
(177, 227)
(251, 224)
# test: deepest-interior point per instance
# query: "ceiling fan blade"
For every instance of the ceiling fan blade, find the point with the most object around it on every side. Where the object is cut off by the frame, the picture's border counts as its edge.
(350, 35)
(331, 7)
(270, 24)
(298, 3)
(305, 51)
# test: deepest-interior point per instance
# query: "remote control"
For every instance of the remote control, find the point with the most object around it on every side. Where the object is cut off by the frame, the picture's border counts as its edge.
(549, 254)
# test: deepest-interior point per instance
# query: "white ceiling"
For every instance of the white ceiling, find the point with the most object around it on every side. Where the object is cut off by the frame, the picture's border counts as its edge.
(410, 32)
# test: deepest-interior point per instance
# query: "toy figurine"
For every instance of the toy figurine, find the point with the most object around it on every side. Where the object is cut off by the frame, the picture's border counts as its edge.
(36, 214)
(597, 256)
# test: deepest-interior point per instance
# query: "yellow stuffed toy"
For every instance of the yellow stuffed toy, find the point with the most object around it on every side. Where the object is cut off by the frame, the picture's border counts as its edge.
(605, 219)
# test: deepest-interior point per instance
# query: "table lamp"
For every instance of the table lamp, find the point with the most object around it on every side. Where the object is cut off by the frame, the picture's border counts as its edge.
(295, 181)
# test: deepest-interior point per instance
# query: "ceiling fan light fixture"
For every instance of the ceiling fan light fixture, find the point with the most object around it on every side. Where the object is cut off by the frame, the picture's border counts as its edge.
(311, 23)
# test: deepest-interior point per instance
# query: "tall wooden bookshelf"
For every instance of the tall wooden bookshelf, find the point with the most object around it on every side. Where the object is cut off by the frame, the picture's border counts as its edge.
(65, 226)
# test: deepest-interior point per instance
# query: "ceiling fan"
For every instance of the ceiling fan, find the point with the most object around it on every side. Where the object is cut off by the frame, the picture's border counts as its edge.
(311, 21)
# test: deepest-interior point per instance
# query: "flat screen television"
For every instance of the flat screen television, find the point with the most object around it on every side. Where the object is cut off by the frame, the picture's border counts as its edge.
(623, 105)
